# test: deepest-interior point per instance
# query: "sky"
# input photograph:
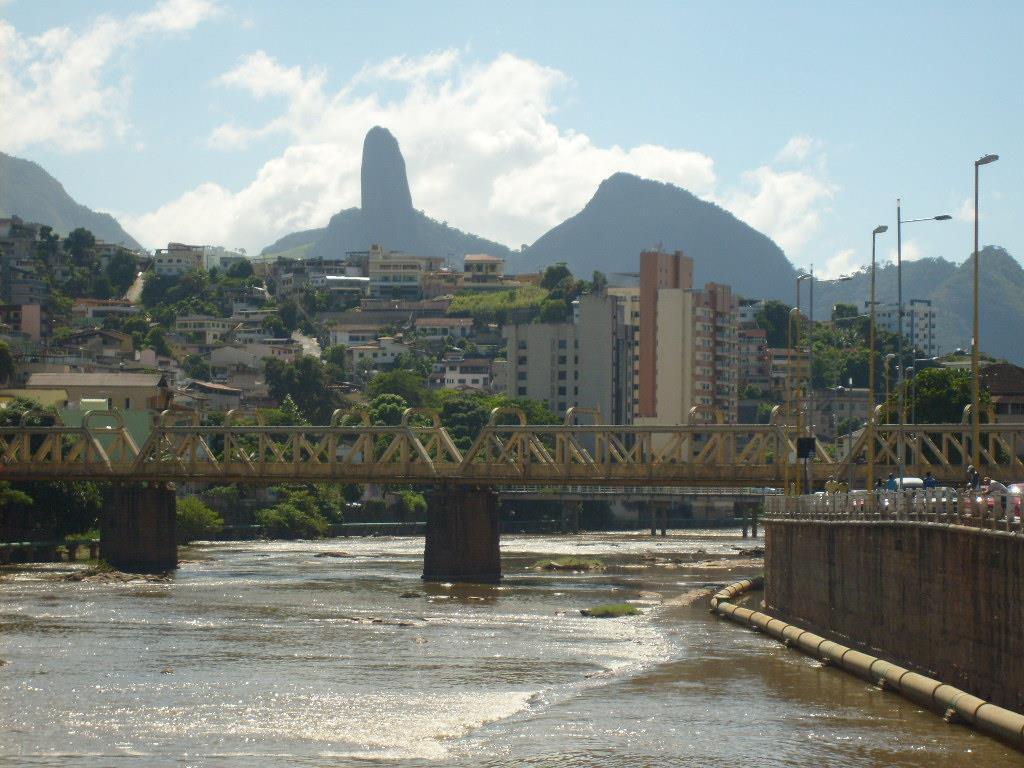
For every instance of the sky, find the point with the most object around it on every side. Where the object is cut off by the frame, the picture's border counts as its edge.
(229, 123)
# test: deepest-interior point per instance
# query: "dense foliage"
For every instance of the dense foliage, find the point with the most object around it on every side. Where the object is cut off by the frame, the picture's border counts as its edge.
(195, 520)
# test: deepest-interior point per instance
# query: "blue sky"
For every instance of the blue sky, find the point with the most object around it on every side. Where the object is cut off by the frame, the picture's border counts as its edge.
(233, 123)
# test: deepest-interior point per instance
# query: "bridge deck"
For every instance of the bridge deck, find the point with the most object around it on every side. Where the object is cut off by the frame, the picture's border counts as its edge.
(705, 455)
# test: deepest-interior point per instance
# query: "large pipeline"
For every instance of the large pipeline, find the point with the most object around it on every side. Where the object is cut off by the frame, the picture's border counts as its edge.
(956, 705)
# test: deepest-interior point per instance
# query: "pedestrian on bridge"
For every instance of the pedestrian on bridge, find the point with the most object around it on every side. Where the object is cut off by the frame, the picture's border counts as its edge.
(930, 481)
(973, 478)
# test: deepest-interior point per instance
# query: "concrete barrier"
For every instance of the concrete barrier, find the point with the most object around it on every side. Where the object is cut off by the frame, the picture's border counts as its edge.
(954, 704)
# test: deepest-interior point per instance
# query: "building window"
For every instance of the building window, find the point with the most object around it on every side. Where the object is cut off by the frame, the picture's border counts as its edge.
(521, 376)
(561, 359)
(521, 391)
(521, 344)
(561, 343)
(561, 375)
(561, 391)
(521, 360)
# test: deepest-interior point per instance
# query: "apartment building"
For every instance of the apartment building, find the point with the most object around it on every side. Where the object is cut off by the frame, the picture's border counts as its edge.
(396, 274)
(579, 363)
(688, 343)
(754, 362)
(918, 323)
(178, 258)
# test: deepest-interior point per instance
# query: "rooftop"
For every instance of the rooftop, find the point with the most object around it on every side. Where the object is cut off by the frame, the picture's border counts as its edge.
(58, 380)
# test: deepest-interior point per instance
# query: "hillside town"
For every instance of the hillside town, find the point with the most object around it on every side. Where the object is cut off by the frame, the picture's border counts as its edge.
(91, 325)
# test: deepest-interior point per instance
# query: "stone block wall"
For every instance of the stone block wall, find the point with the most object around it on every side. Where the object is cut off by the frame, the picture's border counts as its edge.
(946, 600)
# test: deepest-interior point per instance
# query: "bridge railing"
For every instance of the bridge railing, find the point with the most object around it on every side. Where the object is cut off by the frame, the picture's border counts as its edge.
(978, 509)
(943, 449)
(420, 449)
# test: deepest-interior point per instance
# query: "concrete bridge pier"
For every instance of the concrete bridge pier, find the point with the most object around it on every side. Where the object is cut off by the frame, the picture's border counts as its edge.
(463, 534)
(659, 517)
(137, 528)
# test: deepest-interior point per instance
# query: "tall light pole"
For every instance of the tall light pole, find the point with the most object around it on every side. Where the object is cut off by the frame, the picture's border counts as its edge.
(870, 481)
(976, 341)
(899, 321)
(799, 279)
(888, 359)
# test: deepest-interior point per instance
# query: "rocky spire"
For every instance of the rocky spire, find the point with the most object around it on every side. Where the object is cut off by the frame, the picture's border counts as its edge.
(386, 201)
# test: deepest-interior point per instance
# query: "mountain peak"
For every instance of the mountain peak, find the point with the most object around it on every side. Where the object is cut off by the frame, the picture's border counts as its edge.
(628, 214)
(386, 199)
(28, 191)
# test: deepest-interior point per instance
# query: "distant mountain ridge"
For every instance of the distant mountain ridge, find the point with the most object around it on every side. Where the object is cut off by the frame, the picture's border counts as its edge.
(629, 214)
(949, 287)
(29, 192)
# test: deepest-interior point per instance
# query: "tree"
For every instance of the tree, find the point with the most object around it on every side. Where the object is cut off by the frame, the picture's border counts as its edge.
(387, 409)
(196, 367)
(195, 520)
(940, 394)
(773, 318)
(299, 513)
(289, 313)
(555, 275)
(599, 283)
(308, 382)
(6, 362)
(80, 244)
(409, 385)
(157, 341)
(273, 326)
(334, 357)
(554, 311)
(121, 270)
(240, 269)
(844, 312)
(99, 286)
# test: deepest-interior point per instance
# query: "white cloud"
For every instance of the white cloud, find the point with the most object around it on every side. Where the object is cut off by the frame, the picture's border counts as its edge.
(966, 211)
(845, 262)
(911, 251)
(798, 150)
(409, 69)
(783, 204)
(481, 146)
(58, 83)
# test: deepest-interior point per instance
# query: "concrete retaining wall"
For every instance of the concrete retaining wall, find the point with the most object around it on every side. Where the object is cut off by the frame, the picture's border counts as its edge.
(946, 600)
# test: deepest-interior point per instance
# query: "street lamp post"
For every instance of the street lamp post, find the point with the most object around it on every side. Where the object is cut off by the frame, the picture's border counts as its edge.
(888, 359)
(976, 341)
(870, 481)
(792, 405)
(900, 221)
(800, 278)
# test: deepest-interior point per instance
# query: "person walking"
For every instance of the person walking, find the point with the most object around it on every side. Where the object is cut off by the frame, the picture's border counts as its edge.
(930, 481)
(973, 478)
(890, 484)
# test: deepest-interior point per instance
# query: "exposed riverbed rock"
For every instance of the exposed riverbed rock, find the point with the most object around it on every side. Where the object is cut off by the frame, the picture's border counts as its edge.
(105, 575)
(336, 553)
(570, 564)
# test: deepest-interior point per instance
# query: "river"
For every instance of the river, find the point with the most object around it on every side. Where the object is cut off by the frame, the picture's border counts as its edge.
(261, 653)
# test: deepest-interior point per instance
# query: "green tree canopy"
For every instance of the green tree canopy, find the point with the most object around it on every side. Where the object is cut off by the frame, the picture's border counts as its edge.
(411, 386)
(773, 318)
(120, 271)
(308, 382)
(555, 275)
(240, 269)
(195, 520)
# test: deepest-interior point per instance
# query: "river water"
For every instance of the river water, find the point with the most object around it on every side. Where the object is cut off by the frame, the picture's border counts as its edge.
(261, 653)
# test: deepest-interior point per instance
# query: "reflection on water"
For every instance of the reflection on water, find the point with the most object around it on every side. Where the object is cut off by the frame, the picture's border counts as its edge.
(263, 651)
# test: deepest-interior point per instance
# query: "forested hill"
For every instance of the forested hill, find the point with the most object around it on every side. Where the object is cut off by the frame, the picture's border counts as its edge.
(28, 191)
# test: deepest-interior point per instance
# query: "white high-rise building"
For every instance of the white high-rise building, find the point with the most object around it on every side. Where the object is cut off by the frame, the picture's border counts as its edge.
(918, 323)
